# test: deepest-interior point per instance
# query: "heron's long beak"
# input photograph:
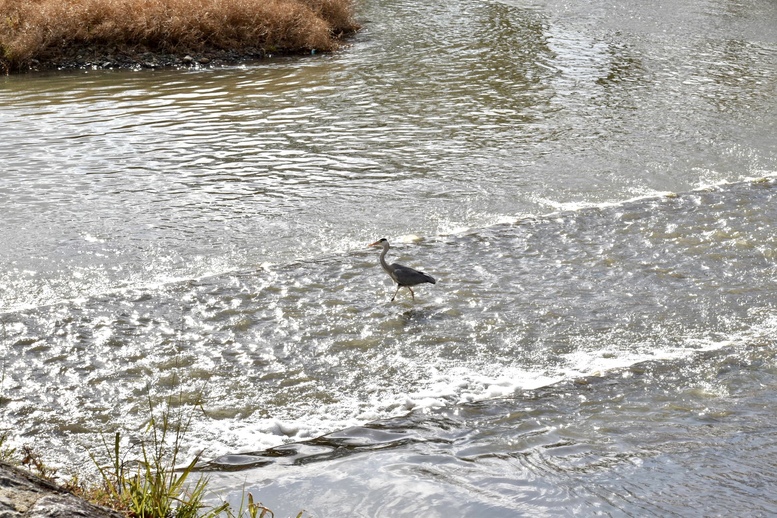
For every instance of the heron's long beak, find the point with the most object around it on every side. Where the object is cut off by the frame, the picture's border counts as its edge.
(376, 243)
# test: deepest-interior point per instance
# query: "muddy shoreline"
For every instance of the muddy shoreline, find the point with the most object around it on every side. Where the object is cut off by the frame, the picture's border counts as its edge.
(97, 58)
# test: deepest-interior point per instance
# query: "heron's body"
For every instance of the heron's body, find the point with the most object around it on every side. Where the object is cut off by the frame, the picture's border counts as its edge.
(404, 276)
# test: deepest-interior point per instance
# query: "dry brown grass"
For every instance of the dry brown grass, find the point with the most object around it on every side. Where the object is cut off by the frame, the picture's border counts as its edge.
(36, 29)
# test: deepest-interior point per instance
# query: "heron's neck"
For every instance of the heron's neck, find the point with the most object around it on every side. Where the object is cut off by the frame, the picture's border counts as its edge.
(383, 262)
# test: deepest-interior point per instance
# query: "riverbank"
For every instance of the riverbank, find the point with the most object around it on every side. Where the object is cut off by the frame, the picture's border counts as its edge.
(50, 34)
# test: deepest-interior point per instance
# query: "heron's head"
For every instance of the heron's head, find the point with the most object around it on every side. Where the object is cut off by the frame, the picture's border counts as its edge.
(380, 242)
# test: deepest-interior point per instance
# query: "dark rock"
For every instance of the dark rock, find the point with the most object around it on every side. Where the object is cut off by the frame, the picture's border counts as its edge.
(24, 495)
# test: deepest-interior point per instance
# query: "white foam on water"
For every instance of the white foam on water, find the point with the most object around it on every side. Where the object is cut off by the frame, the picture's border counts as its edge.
(453, 385)
(559, 207)
(577, 206)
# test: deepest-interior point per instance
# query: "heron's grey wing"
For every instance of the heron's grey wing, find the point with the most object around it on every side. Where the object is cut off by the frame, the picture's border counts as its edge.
(406, 276)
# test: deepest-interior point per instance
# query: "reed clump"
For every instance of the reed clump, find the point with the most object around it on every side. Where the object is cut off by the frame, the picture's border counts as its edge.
(41, 30)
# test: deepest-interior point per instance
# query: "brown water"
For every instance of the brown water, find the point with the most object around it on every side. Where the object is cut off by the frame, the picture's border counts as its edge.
(593, 186)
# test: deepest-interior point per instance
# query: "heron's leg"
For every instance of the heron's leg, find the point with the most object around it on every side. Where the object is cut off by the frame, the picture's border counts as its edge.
(411, 292)
(395, 293)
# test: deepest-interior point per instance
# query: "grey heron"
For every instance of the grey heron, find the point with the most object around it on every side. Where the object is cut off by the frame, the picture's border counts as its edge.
(402, 275)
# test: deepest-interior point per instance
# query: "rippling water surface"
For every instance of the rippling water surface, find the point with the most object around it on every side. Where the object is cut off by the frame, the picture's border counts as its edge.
(593, 185)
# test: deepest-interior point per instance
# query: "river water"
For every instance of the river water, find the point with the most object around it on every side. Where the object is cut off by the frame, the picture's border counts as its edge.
(593, 184)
